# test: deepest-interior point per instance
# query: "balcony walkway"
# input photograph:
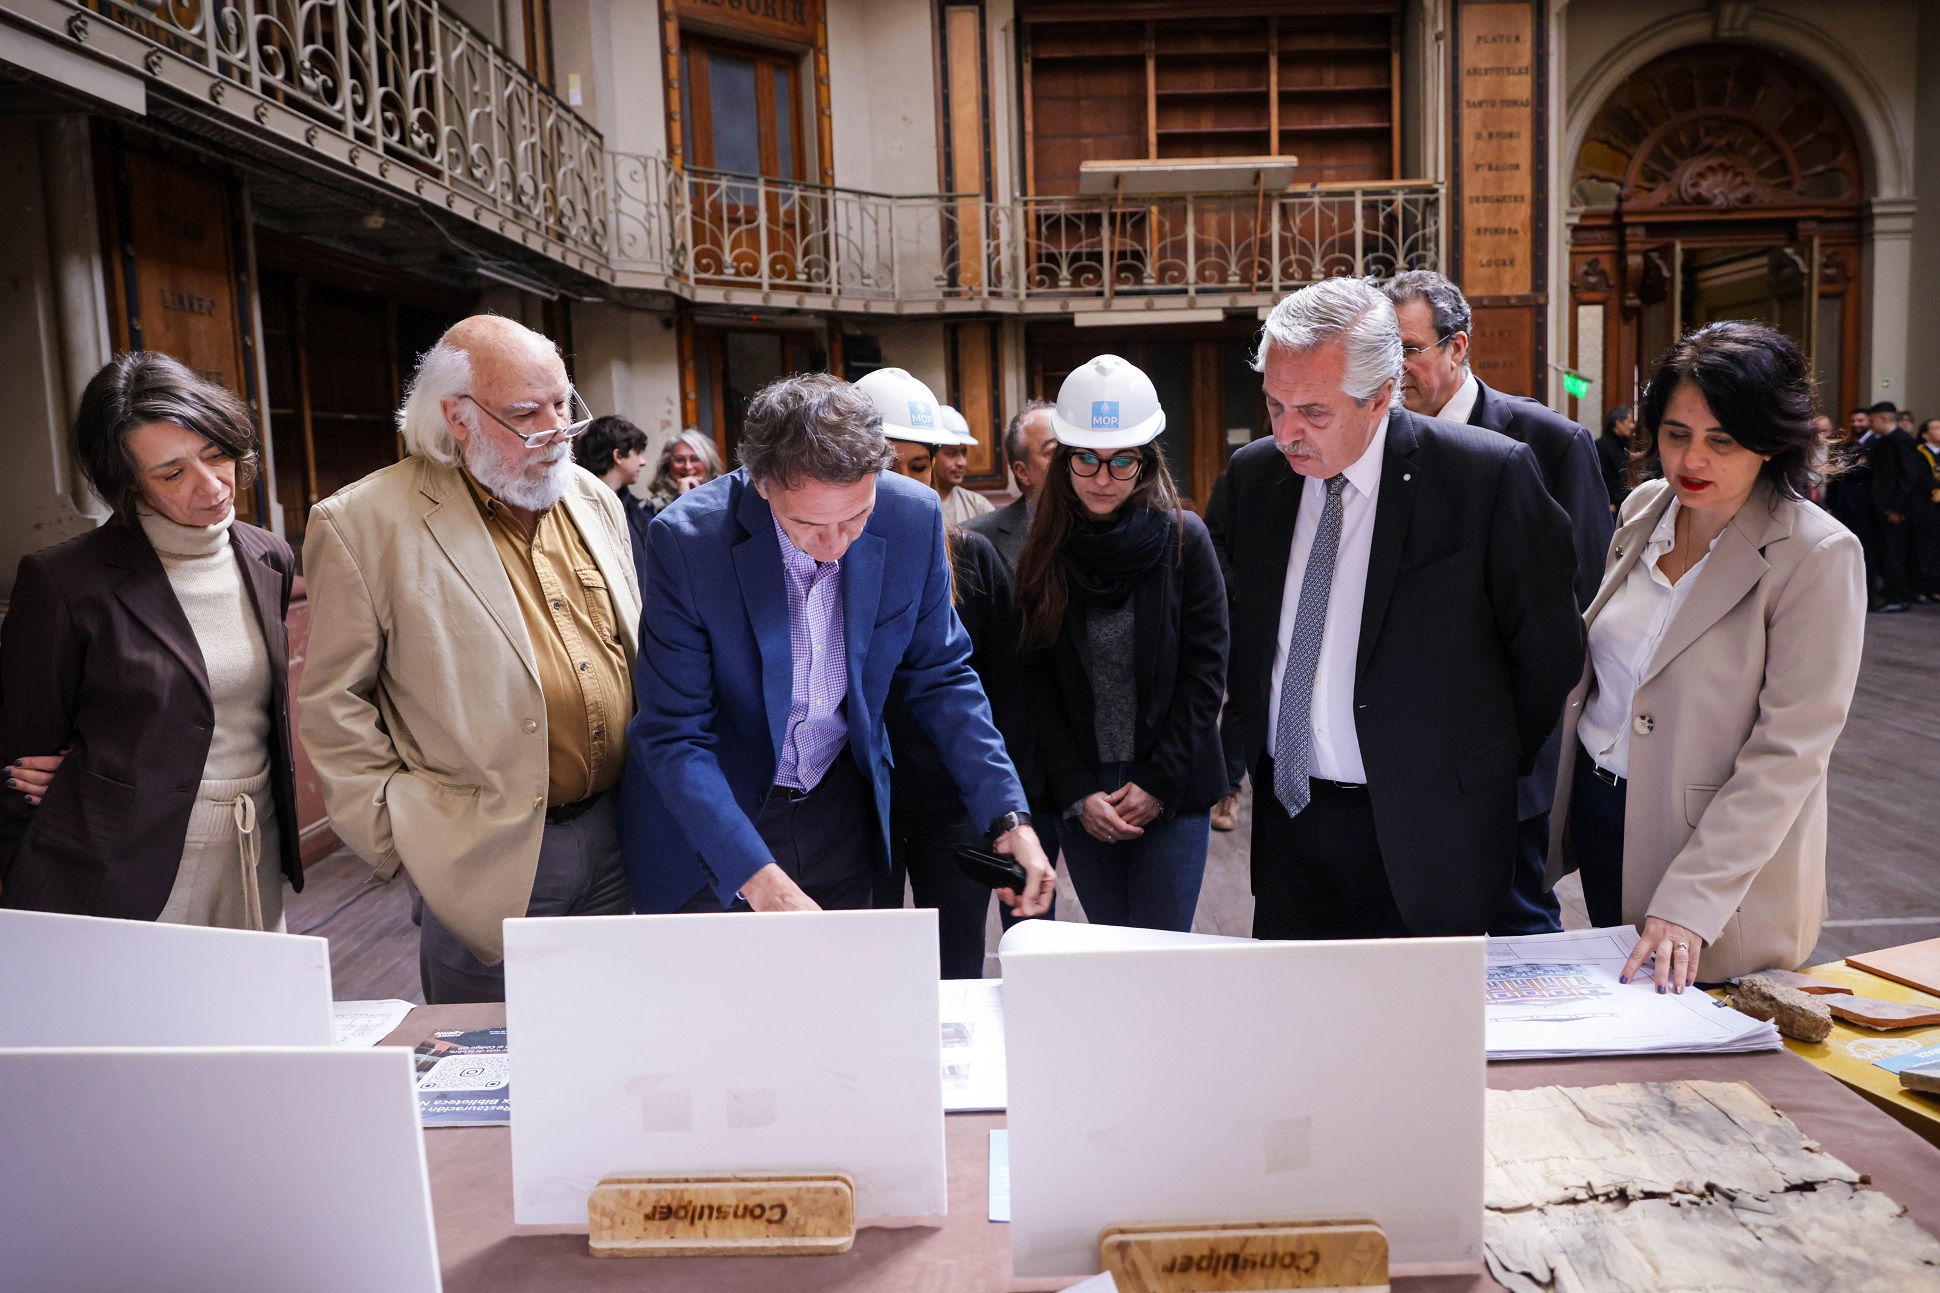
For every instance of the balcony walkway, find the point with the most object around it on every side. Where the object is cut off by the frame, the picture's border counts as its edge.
(1884, 873)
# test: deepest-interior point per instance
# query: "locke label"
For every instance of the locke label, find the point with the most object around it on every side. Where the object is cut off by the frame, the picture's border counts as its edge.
(1496, 63)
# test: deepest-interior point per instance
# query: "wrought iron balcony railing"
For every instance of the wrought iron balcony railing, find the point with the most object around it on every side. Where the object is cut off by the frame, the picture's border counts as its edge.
(409, 82)
(713, 231)
(405, 92)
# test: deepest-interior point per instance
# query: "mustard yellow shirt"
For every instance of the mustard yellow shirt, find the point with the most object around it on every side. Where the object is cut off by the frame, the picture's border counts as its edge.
(575, 641)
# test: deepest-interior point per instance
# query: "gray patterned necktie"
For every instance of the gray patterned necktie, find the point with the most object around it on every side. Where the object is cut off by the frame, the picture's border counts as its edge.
(1294, 728)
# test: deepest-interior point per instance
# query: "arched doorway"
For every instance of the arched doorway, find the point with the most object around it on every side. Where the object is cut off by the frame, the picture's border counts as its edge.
(1719, 181)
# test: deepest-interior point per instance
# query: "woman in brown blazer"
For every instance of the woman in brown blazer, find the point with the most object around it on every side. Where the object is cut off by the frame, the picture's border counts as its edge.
(1724, 646)
(144, 707)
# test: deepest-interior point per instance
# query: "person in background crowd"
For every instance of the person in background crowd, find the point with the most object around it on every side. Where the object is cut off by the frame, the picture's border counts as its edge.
(1123, 625)
(615, 450)
(1029, 443)
(1906, 423)
(1828, 437)
(928, 822)
(952, 462)
(144, 668)
(473, 618)
(1436, 381)
(783, 600)
(1723, 650)
(1897, 476)
(1613, 454)
(1849, 496)
(1404, 632)
(687, 460)
(1925, 512)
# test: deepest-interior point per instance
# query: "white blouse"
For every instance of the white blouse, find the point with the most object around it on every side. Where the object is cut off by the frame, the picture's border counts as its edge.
(1623, 640)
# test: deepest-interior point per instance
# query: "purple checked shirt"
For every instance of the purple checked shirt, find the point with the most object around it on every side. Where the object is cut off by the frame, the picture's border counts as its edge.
(817, 727)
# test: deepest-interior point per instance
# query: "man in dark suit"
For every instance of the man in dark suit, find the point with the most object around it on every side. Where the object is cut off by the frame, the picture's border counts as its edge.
(1435, 321)
(774, 623)
(1404, 635)
(1898, 478)
(1849, 495)
(1028, 445)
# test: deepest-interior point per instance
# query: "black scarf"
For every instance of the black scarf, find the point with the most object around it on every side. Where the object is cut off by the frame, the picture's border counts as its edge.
(1104, 560)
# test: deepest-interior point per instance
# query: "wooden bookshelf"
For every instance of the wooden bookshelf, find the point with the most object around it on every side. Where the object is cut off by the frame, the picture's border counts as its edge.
(1190, 80)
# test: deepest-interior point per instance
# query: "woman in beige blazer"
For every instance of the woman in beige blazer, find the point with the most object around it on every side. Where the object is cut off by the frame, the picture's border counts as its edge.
(1723, 649)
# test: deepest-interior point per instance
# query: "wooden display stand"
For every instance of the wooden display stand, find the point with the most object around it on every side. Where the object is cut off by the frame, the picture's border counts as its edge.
(1156, 1257)
(743, 1214)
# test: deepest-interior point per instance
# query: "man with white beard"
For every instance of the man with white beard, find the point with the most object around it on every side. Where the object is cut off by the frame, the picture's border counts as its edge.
(468, 682)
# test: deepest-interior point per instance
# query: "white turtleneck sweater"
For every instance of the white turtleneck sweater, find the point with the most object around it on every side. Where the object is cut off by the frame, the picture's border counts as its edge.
(207, 577)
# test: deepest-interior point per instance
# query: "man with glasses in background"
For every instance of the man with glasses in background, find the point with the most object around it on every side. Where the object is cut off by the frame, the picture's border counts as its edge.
(468, 681)
(1436, 381)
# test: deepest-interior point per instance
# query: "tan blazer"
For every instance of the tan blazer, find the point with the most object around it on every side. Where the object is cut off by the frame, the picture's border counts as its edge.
(420, 702)
(1732, 728)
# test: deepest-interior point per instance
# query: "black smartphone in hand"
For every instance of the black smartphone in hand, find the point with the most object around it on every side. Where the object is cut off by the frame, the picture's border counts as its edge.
(992, 869)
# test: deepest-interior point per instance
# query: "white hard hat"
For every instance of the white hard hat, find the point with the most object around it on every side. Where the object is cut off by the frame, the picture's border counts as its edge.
(955, 423)
(909, 409)
(1107, 403)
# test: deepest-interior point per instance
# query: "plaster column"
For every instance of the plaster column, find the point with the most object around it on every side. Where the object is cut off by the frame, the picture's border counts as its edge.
(1889, 295)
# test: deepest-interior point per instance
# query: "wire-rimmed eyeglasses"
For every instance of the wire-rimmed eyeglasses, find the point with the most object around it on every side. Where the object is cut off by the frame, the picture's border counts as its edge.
(535, 439)
(1123, 466)
(1409, 352)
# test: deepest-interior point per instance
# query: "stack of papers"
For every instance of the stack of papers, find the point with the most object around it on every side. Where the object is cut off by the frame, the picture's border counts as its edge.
(1556, 996)
(972, 1014)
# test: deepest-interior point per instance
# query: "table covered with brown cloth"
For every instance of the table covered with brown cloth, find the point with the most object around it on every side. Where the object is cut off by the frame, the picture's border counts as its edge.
(482, 1252)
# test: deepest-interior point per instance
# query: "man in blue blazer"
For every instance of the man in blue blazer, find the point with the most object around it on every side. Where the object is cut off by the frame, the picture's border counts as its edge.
(780, 601)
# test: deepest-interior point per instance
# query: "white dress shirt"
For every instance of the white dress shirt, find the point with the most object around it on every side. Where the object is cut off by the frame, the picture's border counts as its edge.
(1624, 639)
(1462, 403)
(1336, 748)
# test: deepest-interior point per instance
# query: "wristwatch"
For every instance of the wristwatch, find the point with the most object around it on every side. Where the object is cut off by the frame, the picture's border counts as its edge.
(1006, 824)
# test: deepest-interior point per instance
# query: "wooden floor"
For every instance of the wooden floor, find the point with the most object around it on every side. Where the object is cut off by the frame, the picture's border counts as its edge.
(1883, 849)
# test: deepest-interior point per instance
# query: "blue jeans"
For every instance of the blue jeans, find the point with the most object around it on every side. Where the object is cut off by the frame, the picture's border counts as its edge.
(1151, 882)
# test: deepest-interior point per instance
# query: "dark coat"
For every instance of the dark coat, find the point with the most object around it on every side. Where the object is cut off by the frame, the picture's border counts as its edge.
(1613, 456)
(97, 656)
(1849, 495)
(1567, 458)
(639, 515)
(1899, 474)
(922, 795)
(1005, 528)
(1179, 647)
(1925, 508)
(1470, 640)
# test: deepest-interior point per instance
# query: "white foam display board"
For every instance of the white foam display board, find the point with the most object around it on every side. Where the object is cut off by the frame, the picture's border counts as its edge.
(797, 1041)
(1245, 1080)
(211, 1170)
(90, 981)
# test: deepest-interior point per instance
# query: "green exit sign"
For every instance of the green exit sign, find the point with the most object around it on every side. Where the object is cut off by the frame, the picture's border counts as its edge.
(1576, 384)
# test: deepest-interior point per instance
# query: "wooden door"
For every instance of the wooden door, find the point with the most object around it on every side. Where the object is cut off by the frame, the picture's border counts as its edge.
(341, 338)
(743, 109)
(177, 282)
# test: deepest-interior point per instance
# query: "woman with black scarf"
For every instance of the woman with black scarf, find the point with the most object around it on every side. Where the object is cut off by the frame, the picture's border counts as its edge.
(1123, 627)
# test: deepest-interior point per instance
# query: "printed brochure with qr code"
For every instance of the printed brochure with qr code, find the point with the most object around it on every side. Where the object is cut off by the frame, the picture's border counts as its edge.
(464, 1079)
